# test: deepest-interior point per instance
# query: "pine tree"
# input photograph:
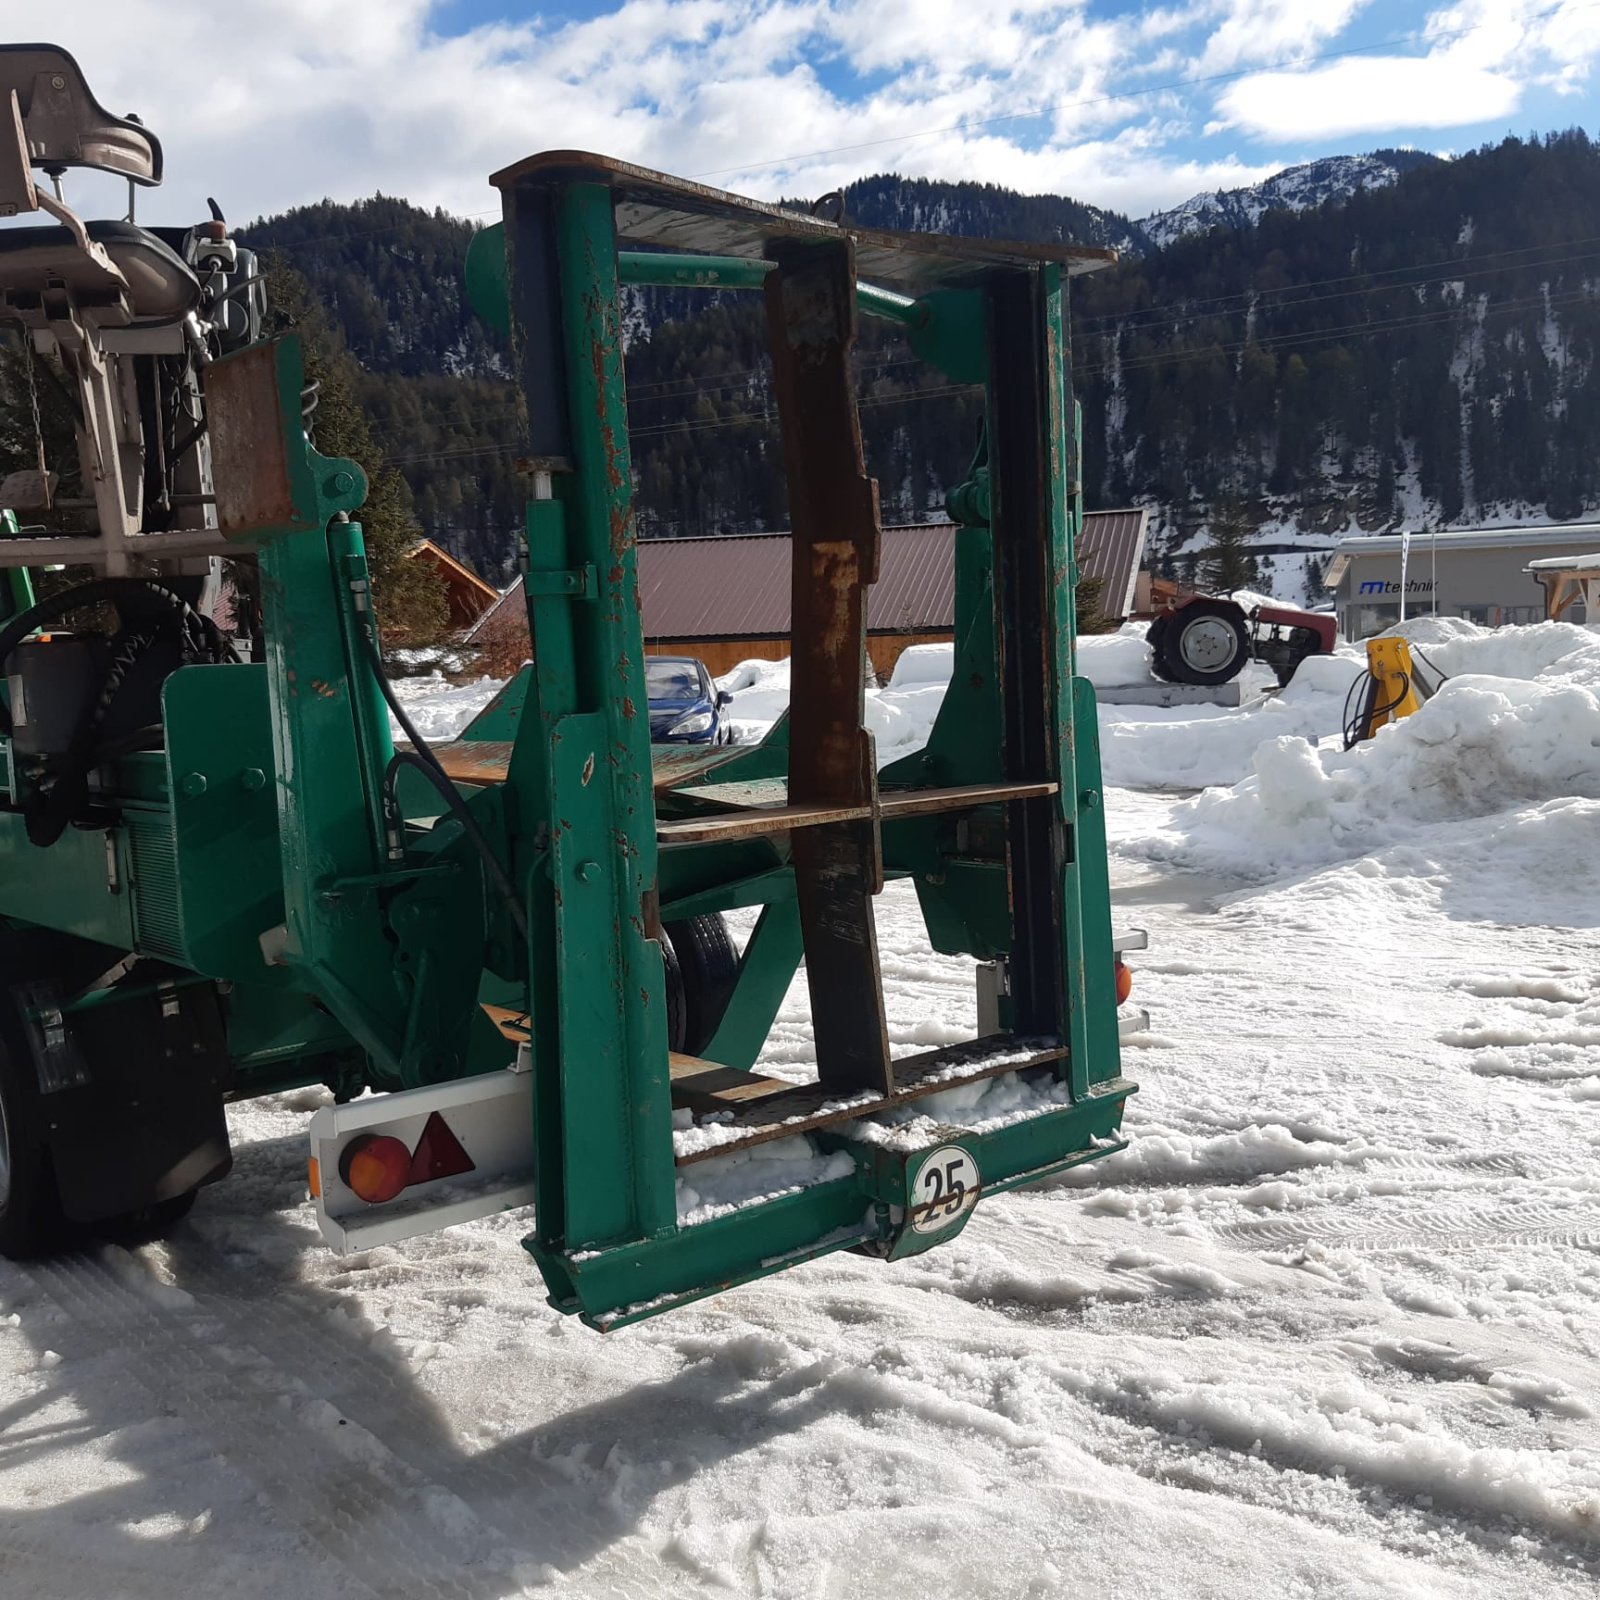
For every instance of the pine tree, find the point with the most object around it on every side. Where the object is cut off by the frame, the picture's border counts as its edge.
(1228, 564)
(1087, 599)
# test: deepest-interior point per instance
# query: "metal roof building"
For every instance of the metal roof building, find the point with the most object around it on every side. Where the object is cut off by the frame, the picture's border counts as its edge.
(1481, 574)
(726, 599)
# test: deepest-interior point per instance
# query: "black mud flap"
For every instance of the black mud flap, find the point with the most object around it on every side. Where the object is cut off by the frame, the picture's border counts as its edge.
(131, 1092)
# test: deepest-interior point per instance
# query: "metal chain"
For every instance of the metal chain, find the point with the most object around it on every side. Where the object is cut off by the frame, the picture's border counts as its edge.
(30, 356)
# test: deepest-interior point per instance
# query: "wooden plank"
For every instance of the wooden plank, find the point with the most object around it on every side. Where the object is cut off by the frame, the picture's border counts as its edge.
(475, 760)
(961, 797)
(755, 823)
(513, 1025)
(705, 1086)
(487, 760)
(810, 1106)
(758, 821)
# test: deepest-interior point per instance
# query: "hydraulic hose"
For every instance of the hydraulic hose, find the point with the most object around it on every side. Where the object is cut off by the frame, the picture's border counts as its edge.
(422, 759)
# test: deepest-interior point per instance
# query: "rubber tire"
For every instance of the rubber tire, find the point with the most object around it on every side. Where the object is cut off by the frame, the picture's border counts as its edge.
(31, 1220)
(677, 1005)
(708, 966)
(1154, 635)
(1169, 649)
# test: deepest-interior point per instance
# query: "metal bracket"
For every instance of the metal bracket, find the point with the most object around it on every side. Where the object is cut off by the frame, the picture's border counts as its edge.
(575, 583)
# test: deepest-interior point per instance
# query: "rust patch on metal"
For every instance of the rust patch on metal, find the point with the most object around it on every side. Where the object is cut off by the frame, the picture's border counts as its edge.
(627, 711)
(588, 771)
(249, 451)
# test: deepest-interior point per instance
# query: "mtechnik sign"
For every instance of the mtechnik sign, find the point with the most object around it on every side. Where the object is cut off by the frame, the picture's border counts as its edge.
(1412, 586)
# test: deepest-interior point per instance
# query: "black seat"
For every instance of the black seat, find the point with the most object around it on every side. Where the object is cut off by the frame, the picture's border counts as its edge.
(161, 287)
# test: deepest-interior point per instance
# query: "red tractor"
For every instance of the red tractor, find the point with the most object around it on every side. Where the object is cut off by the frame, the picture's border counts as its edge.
(1207, 639)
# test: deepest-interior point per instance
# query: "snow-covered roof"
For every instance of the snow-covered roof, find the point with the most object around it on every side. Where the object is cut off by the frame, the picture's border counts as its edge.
(1563, 563)
(1374, 544)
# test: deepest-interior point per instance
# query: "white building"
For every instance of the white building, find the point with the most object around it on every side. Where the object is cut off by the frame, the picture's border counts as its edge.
(1477, 573)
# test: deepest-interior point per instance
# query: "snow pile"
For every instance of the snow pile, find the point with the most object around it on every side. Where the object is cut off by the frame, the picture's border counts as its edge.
(1518, 726)
(920, 664)
(760, 691)
(724, 1184)
(1196, 747)
(441, 709)
(899, 717)
(1115, 660)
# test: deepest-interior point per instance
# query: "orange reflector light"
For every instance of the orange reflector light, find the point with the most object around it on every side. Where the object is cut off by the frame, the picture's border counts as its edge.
(376, 1167)
(314, 1177)
(1124, 981)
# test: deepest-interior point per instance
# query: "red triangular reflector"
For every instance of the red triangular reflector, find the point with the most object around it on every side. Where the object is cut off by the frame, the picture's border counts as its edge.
(439, 1153)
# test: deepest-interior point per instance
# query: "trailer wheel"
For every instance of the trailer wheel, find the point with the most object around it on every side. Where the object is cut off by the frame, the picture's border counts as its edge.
(702, 961)
(1205, 642)
(31, 1220)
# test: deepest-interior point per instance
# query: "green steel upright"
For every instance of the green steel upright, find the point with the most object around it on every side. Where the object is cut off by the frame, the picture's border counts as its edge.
(479, 933)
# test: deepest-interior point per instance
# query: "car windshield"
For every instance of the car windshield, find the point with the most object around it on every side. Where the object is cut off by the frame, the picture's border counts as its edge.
(672, 680)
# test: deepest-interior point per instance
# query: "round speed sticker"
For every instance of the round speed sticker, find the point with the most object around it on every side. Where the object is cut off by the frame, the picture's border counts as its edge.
(944, 1190)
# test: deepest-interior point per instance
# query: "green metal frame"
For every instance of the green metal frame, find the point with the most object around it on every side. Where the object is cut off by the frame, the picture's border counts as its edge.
(260, 847)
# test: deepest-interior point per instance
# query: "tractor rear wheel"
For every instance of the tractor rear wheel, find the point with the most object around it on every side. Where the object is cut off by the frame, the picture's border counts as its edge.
(1204, 642)
(702, 966)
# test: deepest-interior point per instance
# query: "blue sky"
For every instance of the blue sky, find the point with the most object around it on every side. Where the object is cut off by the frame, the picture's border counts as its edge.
(1133, 107)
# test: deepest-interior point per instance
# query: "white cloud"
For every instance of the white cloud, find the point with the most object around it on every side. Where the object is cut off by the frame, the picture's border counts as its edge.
(1366, 94)
(1273, 30)
(274, 106)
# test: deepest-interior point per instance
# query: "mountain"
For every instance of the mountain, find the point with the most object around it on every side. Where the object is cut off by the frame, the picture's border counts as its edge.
(1294, 189)
(1422, 349)
(923, 205)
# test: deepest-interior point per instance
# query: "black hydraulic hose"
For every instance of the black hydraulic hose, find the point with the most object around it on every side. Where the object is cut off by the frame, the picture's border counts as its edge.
(203, 635)
(1351, 724)
(460, 810)
(1443, 677)
(422, 759)
(1370, 712)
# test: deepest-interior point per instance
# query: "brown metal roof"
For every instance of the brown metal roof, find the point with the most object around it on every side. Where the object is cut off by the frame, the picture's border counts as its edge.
(737, 586)
(1112, 549)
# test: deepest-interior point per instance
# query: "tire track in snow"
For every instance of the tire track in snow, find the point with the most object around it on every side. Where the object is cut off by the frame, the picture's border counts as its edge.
(483, 1491)
(351, 1498)
(370, 1394)
(1514, 1226)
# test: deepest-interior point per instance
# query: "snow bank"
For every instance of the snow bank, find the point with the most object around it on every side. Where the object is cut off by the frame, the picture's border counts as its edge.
(760, 691)
(1197, 747)
(441, 709)
(922, 664)
(726, 1184)
(1116, 660)
(900, 717)
(1517, 725)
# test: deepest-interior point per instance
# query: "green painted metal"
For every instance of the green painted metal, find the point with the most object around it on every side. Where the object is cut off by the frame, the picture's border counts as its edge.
(357, 939)
(488, 286)
(766, 969)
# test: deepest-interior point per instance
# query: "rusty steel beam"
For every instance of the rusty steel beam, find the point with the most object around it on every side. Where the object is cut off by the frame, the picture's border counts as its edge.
(833, 510)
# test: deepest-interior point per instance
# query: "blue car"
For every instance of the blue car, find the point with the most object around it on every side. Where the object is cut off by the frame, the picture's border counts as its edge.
(685, 706)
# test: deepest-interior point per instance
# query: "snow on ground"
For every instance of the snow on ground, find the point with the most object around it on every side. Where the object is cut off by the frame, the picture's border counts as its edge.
(1329, 1327)
(440, 709)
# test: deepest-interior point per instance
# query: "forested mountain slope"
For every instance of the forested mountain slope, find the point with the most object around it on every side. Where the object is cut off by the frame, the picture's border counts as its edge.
(1422, 351)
